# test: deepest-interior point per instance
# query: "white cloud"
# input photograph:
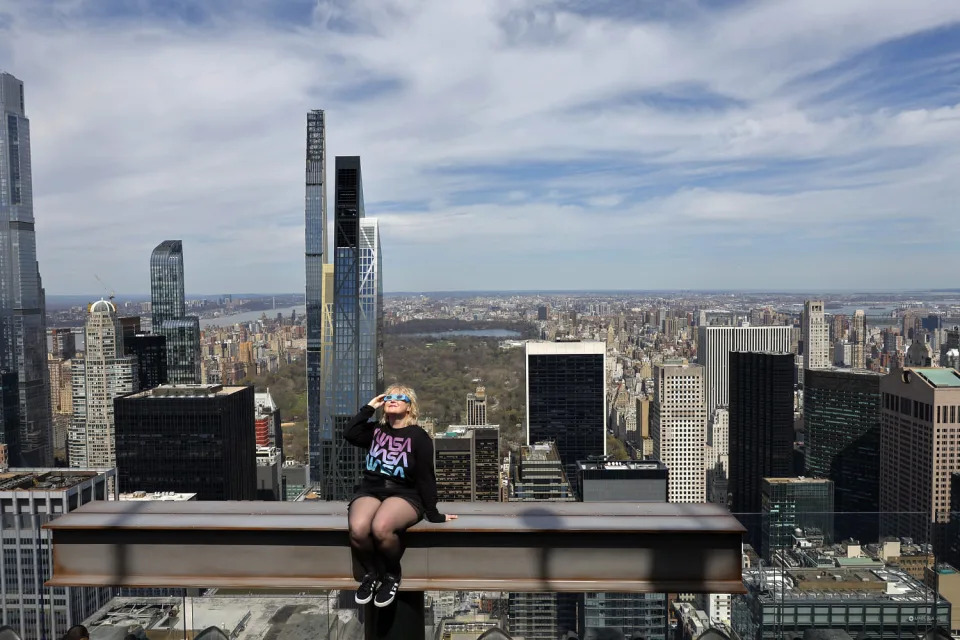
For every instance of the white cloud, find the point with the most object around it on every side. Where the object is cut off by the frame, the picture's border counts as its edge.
(144, 130)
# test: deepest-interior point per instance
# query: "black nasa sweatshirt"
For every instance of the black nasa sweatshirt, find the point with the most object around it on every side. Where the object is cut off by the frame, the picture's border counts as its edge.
(403, 456)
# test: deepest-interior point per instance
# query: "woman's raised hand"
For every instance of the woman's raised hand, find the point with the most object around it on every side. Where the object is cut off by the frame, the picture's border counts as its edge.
(377, 402)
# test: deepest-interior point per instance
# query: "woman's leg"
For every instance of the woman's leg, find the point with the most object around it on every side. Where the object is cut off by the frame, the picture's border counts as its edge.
(360, 520)
(393, 517)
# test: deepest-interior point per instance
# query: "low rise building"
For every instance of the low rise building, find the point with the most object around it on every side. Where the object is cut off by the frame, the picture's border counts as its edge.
(878, 602)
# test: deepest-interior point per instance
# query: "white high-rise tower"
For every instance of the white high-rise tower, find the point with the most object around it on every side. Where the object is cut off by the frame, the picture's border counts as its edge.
(678, 425)
(816, 337)
(100, 376)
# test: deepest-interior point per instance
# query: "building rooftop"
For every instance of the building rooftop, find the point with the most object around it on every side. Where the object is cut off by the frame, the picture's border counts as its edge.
(540, 452)
(613, 465)
(938, 377)
(44, 479)
(279, 617)
(160, 496)
(187, 391)
(800, 480)
(835, 583)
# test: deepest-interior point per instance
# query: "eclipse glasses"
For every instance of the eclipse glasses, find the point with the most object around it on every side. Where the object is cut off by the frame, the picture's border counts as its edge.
(396, 396)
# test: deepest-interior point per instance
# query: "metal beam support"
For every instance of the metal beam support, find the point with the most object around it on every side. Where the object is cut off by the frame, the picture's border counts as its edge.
(580, 547)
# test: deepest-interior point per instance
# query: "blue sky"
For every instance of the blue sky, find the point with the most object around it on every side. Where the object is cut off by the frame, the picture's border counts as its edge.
(505, 144)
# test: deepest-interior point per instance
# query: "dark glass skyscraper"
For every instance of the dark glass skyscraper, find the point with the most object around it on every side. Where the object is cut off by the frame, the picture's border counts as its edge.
(168, 308)
(23, 333)
(794, 503)
(167, 298)
(761, 424)
(356, 366)
(151, 354)
(566, 399)
(188, 439)
(841, 413)
(316, 229)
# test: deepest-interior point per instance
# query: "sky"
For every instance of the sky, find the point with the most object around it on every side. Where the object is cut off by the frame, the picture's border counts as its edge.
(505, 144)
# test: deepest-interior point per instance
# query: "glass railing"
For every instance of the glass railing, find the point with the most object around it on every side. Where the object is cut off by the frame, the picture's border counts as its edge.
(857, 575)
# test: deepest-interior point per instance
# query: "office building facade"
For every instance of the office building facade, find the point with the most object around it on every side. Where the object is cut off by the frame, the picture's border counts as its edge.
(919, 434)
(761, 424)
(816, 336)
(841, 414)
(718, 457)
(150, 352)
(10, 414)
(23, 331)
(789, 504)
(631, 614)
(315, 225)
(477, 407)
(29, 498)
(678, 425)
(714, 346)
(168, 313)
(63, 342)
(103, 374)
(467, 463)
(188, 439)
(356, 372)
(538, 474)
(566, 399)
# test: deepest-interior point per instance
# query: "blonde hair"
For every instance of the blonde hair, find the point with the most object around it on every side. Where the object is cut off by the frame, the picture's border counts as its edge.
(413, 411)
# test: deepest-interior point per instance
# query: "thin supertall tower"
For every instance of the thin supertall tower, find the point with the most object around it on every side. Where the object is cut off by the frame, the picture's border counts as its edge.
(23, 332)
(356, 371)
(315, 222)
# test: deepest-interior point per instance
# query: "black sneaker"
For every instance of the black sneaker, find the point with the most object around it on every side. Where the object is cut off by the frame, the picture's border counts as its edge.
(387, 591)
(368, 584)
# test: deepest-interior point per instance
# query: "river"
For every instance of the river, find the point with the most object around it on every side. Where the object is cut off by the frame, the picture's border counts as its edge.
(250, 316)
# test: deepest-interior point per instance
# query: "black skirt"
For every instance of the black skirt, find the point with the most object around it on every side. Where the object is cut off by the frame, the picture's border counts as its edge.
(383, 489)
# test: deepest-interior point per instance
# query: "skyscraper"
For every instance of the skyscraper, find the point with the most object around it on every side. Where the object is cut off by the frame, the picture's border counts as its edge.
(566, 399)
(792, 503)
(103, 374)
(23, 332)
(37, 612)
(678, 425)
(858, 339)
(468, 463)
(841, 414)
(167, 297)
(315, 220)
(761, 424)
(151, 354)
(714, 346)
(168, 309)
(816, 342)
(477, 407)
(632, 614)
(188, 439)
(357, 362)
(919, 431)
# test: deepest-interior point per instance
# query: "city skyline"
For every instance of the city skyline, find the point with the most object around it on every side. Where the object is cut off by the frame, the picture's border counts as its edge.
(537, 121)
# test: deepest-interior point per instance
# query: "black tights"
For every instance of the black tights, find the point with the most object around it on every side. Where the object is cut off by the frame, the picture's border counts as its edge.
(375, 529)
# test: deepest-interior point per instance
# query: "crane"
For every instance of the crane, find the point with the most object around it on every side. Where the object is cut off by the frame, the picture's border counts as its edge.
(105, 287)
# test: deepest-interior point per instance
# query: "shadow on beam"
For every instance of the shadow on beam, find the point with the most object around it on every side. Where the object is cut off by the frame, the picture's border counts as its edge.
(582, 547)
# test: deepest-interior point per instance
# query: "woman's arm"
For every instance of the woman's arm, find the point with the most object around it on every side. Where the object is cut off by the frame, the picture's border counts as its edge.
(360, 430)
